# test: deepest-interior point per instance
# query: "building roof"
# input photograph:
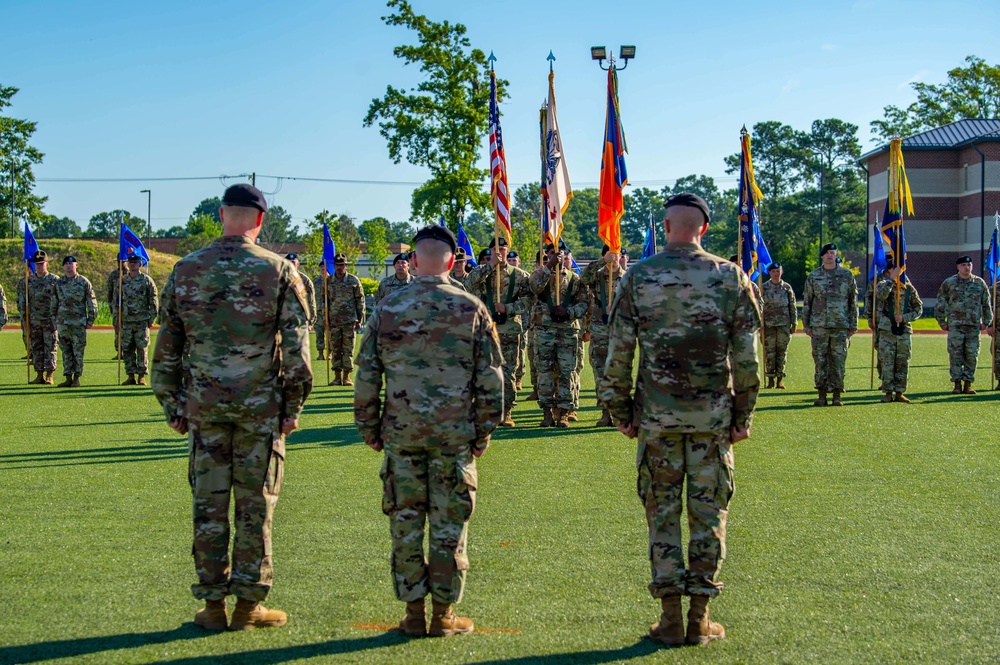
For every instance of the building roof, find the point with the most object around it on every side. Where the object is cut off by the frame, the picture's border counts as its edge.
(952, 135)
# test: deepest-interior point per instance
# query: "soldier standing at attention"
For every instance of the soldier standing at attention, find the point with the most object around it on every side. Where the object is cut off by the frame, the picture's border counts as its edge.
(75, 312)
(595, 277)
(236, 301)
(829, 318)
(780, 318)
(347, 312)
(441, 359)
(963, 310)
(42, 303)
(110, 290)
(894, 332)
(306, 282)
(139, 308)
(556, 334)
(694, 319)
(514, 259)
(321, 318)
(534, 313)
(458, 272)
(400, 278)
(870, 313)
(514, 301)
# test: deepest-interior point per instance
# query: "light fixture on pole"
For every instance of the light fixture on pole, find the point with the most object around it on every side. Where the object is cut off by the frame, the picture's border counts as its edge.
(600, 53)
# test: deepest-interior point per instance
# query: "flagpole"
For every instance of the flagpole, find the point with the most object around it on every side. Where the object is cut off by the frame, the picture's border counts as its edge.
(27, 319)
(542, 113)
(326, 319)
(873, 314)
(119, 316)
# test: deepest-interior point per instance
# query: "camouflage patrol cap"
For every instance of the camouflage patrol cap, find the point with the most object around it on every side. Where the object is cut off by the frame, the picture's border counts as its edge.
(827, 247)
(244, 196)
(503, 242)
(401, 257)
(963, 259)
(689, 200)
(69, 259)
(439, 233)
(340, 259)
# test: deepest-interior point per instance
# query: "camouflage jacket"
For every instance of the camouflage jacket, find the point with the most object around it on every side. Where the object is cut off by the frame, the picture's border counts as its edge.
(42, 298)
(778, 305)
(3, 308)
(390, 284)
(310, 296)
(111, 285)
(441, 360)
(515, 293)
(457, 284)
(463, 280)
(910, 305)
(595, 278)
(830, 300)
(140, 300)
(573, 296)
(345, 298)
(870, 298)
(694, 319)
(77, 302)
(963, 302)
(242, 312)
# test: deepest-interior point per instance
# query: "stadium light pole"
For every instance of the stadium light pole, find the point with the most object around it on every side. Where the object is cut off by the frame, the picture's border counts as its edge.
(149, 219)
(600, 53)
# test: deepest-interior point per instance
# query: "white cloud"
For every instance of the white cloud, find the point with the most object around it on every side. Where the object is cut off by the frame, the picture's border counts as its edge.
(791, 85)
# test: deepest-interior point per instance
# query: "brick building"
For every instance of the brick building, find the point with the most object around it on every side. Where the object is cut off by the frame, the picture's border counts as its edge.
(954, 197)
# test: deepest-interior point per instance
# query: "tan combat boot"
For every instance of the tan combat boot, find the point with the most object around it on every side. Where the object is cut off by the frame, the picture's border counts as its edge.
(560, 416)
(68, 383)
(967, 389)
(836, 399)
(347, 379)
(770, 382)
(250, 614)
(76, 381)
(957, 390)
(337, 381)
(780, 385)
(130, 381)
(39, 378)
(547, 420)
(445, 623)
(507, 421)
(670, 629)
(213, 616)
(571, 416)
(887, 397)
(414, 623)
(321, 356)
(48, 377)
(821, 400)
(702, 630)
(140, 380)
(605, 420)
(900, 397)
(517, 386)
(533, 396)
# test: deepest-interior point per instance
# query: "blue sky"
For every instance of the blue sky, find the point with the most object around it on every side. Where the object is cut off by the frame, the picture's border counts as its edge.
(188, 89)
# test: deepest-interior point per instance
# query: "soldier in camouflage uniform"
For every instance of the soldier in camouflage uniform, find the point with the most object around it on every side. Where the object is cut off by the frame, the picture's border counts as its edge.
(869, 313)
(41, 315)
(780, 317)
(243, 310)
(400, 278)
(110, 289)
(75, 312)
(514, 301)
(458, 272)
(530, 338)
(443, 399)
(694, 319)
(894, 332)
(346, 300)
(830, 318)
(963, 309)
(582, 335)
(3, 308)
(556, 336)
(595, 277)
(514, 259)
(308, 283)
(140, 304)
(319, 288)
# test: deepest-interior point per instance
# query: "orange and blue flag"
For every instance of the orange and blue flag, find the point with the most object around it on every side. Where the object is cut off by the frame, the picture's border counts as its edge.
(649, 244)
(130, 245)
(614, 176)
(898, 204)
(30, 248)
(992, 267)
(753, 250)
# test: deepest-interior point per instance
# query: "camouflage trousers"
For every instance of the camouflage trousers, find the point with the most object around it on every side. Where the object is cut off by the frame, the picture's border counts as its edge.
(894, 357)
(245, 460)
(829, 349)
(135, 342)
(342, 347)
(43, 341)
(963, 352)
(72, 343)
(435, 484)
(598, 353)
(557, 359)
(578, 370)
(510, 347)
(320, 329)
(776, 350)
(532, 355)
(521, 360)
(664, 461)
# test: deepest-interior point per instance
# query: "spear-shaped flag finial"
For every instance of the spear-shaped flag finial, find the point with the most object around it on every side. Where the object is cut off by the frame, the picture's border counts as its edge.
(551, 60)
(491, 60)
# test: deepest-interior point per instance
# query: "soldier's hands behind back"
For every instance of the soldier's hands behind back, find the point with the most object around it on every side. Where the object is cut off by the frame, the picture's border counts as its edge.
(289, 425)
(630, 430)
(737, 434)
(179, 425)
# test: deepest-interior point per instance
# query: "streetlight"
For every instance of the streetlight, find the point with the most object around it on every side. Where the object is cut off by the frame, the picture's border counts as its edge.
(822, 170)
(149, 220)
(600, 53)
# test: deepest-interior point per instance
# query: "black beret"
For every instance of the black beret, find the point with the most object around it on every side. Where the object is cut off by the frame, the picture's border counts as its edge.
(963, 259)
(513, 254)
(401, 257)
(605, 250)
(439, 233)
(538, 257)
(774, 266)
(734, 258)
(483, 254)
(135, 257)
(689, 200)
(69, 259)
(503, 242)
(340, 259)
(826, 248)
(39, 257)
(292, 257)
(244, 196)
(563, 247)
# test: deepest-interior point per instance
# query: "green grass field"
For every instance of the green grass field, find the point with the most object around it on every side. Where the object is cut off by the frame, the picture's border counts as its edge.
(860, 534)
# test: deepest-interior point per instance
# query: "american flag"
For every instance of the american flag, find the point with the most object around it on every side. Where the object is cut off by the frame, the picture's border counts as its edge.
(498, 166)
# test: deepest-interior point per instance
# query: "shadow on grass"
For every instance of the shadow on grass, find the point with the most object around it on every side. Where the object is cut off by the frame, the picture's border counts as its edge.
(299, 651)
(643, 647)
(42, 651)
(139, 452)
(324, 437)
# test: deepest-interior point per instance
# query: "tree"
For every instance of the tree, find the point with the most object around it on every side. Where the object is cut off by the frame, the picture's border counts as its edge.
(970, 92)
(524, 221)
(105, 224)
(580, 224)
(348, 241)
(721, 236)
(344, 234)
(172, 232)
(400, 232)
(17, 157)
(375, 233)
(440, 123)
(640, 203)
(51, 226)
(210, 207)
(201, 230)
(278, 226)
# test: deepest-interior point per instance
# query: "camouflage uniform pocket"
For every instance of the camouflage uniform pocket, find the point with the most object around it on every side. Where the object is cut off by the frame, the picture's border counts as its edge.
(388, 486)
(464, 496)
(727, 479)
(275, 466)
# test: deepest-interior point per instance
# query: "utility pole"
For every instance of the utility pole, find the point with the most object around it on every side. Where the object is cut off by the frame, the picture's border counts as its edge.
(13, 233)
(149, 219)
